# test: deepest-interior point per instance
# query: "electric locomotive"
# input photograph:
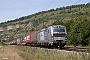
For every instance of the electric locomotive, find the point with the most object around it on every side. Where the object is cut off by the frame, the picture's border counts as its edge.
(54, 36)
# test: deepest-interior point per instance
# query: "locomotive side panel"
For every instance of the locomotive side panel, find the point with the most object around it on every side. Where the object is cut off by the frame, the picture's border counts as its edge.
(38, 37)
(42, 36)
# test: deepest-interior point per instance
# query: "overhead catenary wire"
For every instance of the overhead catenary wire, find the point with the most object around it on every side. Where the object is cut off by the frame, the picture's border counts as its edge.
(77, 1)
(71, 0)
(50, 4)
(67, 2)
(46, 8)
(28, 22)
(18, 31)
(75, 4)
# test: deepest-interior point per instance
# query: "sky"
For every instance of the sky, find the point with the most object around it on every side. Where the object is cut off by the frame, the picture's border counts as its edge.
(12, 9)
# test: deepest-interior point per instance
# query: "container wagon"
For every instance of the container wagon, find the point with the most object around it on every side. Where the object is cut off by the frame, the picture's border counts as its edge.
(33, 41)
(23, 40)
(18, 41)
(53, 36)
(14, 42)
(31, 38)
(28, 37)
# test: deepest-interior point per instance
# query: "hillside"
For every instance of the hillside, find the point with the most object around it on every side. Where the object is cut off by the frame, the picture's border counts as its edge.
(13, 29)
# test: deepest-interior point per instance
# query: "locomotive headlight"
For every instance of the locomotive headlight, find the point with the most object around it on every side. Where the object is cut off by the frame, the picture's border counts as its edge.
(52, 37)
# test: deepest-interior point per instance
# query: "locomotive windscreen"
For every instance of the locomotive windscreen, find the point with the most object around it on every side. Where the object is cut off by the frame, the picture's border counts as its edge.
(59, 35)
(61, 29)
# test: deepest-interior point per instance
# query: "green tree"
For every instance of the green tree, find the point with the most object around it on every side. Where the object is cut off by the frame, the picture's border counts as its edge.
(58, 22)
(80, 32)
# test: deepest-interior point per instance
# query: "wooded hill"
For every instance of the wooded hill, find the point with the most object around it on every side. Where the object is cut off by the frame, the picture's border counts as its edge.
(75, 18)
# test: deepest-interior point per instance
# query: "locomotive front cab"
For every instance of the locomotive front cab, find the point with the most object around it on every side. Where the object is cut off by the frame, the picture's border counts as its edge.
(58, 35)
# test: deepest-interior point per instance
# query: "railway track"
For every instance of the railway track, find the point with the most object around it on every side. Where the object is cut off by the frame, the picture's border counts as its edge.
(69, 53)
(76, 49)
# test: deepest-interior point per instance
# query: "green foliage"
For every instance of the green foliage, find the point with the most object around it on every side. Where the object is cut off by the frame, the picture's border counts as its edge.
(88, 39)
(11, 38)
(81, 31)
(32, 29)
(58, 22)
(69, 24)
(76, 27)
(78, 30)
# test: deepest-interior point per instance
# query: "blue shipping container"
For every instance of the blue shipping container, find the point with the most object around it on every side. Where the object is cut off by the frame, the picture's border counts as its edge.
(22, 39)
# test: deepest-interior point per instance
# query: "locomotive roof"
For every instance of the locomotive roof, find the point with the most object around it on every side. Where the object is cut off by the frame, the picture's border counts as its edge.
(57, 26)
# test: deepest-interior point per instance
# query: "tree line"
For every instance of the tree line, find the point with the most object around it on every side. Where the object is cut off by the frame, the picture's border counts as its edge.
(78, 31)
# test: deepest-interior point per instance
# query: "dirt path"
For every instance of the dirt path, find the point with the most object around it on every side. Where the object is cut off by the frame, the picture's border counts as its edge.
(9, 53)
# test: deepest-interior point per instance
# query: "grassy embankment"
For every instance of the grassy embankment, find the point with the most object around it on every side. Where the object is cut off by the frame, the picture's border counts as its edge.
(34, 53)
(8, 53)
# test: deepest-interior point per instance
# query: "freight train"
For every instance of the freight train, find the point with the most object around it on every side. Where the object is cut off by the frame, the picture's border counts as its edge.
(53, 36)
